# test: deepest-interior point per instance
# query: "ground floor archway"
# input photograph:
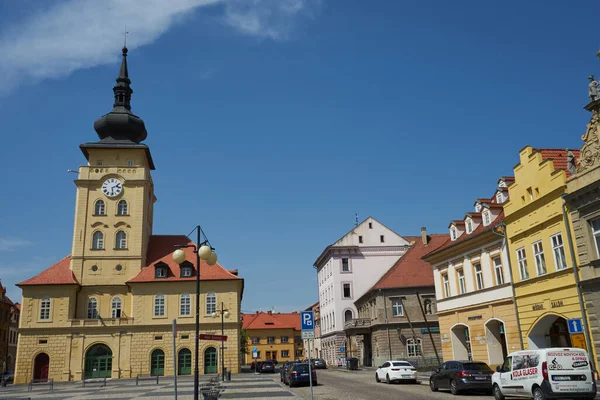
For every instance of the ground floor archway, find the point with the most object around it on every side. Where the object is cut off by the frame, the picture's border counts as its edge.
(461, 342)
(549, 331)
(157, 363)
(98, 362)
(41, 365)
(210, 361)
(495, 338)
(184, 362)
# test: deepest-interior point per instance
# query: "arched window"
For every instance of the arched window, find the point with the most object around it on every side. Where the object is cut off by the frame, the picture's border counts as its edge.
(99, 208)
(211, 303)
(121, 240)
(116, 307)
(347, 315)
(428, 305)
(159, 305)
(98, 240)
(122, 208)
(45, 308)
(92, 308)
(185, 304)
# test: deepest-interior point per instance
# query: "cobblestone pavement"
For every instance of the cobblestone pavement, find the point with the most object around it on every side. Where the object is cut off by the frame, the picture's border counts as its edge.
(242, 386)
(358, 385)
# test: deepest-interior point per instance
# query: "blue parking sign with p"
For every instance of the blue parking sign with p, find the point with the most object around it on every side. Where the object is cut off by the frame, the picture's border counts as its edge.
(307, 319)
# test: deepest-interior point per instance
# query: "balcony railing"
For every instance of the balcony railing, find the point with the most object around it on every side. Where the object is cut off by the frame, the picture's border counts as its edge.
(102, 322)
(357, 323)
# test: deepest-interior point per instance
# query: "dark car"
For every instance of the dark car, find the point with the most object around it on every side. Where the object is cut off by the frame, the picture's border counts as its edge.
(284, 369)
(462, 375)
(266, 366)
(319, 363)
(298, 374)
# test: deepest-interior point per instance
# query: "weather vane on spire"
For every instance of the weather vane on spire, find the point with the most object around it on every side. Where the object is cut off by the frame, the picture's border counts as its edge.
(125, 36)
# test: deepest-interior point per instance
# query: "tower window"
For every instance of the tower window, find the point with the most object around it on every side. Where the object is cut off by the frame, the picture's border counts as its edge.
(130, 163)
(360, 239)
(99, 162)
(116, 307)
(121, 240)
(382, 239)
(92, 311)
(99, 208)
(122, 208)
(45, 308)
(370, 225)
(98, 241)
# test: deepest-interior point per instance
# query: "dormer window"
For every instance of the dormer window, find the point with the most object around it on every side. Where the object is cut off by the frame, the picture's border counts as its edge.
(469, 224)
(453, 233)
(477, 207)
(486, 218)
(160, 270)
(499, 197)
(186, 269)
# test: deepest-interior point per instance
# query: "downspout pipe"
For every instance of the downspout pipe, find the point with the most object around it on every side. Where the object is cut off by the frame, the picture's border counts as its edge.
(502, 225)
(387, 326)
(584, 326)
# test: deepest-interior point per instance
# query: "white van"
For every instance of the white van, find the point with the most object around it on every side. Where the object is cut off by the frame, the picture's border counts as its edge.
(555, 373)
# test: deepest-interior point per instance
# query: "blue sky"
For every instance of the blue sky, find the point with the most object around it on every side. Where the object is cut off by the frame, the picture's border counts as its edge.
(272, 123)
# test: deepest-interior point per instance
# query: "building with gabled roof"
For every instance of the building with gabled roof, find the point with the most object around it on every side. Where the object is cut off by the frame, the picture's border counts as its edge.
(346, 269)
(273, 336)
(397, 314)
(106, 310)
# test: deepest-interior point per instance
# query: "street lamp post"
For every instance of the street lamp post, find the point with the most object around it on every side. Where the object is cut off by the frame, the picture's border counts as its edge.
(204, 251)
(224, 314)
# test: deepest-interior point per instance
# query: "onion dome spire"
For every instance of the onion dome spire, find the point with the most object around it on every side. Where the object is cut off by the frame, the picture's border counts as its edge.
(121, 123)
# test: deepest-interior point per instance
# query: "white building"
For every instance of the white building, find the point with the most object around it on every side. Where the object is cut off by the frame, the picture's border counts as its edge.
(345, 271)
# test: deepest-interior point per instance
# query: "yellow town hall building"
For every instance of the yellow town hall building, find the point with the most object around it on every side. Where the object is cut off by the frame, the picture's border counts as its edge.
(106, 310)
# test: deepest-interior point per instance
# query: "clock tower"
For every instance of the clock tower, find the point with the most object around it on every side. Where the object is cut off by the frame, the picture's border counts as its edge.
(115, 197)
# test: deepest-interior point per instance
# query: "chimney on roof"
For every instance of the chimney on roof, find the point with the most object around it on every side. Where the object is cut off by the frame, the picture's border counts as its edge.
(233, 272)
(270, 312)
(424, 235)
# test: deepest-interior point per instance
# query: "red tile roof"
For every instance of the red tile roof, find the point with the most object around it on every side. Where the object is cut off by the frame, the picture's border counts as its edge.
(161, 248)
(410, 270)
(58, 274)
(269, 320)
(559, 157)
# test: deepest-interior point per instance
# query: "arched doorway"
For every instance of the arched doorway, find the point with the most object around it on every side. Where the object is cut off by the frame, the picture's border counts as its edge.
(41, 365)
(98, 362)
(495, 339)
(184, 362)
(461, 342)
(157, 363)
(210, 360)
(549, 331)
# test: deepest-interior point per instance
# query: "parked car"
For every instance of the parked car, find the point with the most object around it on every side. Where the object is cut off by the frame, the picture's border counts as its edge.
(545, 374)
(298, 374)
(462, 375)
(8, 376)
(267, 366)
(394, 371)
(319, 363)
(284, 369)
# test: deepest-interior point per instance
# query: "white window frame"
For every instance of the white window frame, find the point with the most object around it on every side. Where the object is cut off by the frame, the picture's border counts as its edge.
(116, 309)
(414, 347)
(453, 233)
(185, 305)
(462, 284)
(560, 249)
(522, 261)
(92, 308)
(478, 276)
(211, 303)
(255, 340)
(122, 207)
(397, 308)
(446, 283)
(99, 207)
(45, 308)
(270, 339)
(121, 240)
(159, 305)
(285, 353)
(469, 225)
(540, 260)
(285, 339)
(596, 234)
(486, 218)
(498, 270)
(98, 240)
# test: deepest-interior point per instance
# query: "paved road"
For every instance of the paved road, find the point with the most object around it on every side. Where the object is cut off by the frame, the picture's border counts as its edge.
(359, 385)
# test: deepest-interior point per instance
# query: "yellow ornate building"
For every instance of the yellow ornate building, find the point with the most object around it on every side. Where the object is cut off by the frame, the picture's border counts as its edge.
(275, 336)
(106, 310)
(540, 254)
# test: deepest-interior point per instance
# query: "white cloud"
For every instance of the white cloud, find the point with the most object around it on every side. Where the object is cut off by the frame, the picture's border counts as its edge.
(74, 34)
(10, 244)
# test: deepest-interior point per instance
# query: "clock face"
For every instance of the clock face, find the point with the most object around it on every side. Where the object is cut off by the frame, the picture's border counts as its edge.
(112, 187)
